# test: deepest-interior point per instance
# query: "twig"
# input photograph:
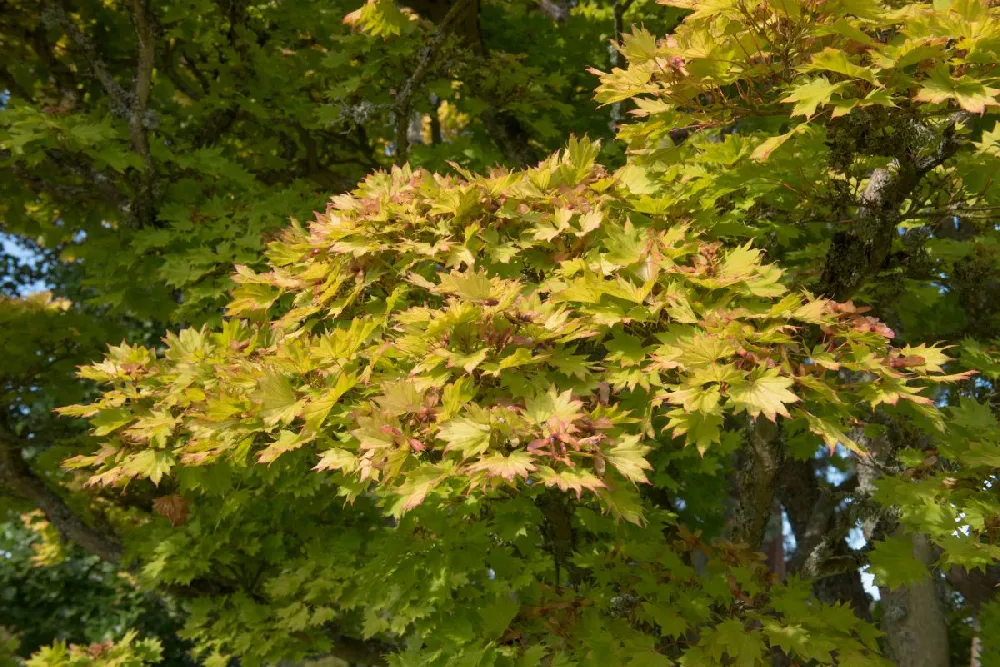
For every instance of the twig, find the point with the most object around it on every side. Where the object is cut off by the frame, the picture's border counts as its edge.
(621, 6)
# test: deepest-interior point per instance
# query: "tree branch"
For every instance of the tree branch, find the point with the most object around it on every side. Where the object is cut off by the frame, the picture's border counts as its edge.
(143, 205)
(15, 472)
(55, 16)
(858, 252)
(425, 61)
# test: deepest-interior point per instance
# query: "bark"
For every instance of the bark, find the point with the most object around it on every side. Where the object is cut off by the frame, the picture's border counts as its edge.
(977, 587)
(858, 252)
(756, 481)
(144, 202)
(132, 105)
(913, 617)
(820, 531)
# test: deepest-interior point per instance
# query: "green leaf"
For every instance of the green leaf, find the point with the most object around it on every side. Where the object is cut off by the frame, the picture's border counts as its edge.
(628, 457)
(812, 94)
(497, 616)
(278, 399)
(764, 393)
(149, 463)
(465, 436)
(971, 94)
(835, 60)
(894, 564)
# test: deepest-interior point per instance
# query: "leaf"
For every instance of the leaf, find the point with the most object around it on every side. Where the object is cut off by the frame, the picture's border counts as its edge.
(570, 480)
(835, 60)
(497, 616)
(700, 428)
(287, 441)
(812, 94)
(110, 420)
(768, 146)
(628, 458)
(765, 393)
(671, 623)
(149, 463)
(832, 434)
(466, 436)
(972, 95)
(743, 646)
(337, 459)
(173, 508)
(554, 406)
(893, 563)
(278, 399)
(415, 487)
(510, 467)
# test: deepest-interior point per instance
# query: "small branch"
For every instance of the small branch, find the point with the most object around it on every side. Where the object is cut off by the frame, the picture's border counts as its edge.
(425, 61)
(54, 15)
(621, 6)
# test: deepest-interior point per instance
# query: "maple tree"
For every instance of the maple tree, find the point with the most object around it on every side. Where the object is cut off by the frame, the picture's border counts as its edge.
(545, 413)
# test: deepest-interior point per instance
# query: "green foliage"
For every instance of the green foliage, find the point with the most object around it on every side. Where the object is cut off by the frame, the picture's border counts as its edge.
(519, 415)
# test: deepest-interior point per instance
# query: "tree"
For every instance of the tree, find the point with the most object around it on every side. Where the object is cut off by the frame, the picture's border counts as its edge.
(552, 414)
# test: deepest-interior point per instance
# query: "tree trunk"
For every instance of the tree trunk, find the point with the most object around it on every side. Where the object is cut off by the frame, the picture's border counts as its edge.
(913, 617)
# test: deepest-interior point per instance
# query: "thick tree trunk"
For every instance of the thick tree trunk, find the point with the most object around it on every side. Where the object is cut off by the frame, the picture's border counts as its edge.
(759, 464)
(913, 617)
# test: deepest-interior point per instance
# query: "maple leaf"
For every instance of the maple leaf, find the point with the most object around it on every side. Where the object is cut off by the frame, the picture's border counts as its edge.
(466, 436)
(834, 60)
(811, 94)
(702, 429)
(415, 487)
(553, 406)
(832, 434)
(971, 94)
(893, 563)
(764, 393)
(337, 459)
(570, 479)
(174, 508)
(149, 463)
(278, 399)
(628, 457)
(514, 465)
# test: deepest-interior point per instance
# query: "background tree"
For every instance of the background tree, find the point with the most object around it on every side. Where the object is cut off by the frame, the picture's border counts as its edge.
(490, 367)
(146, 147)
